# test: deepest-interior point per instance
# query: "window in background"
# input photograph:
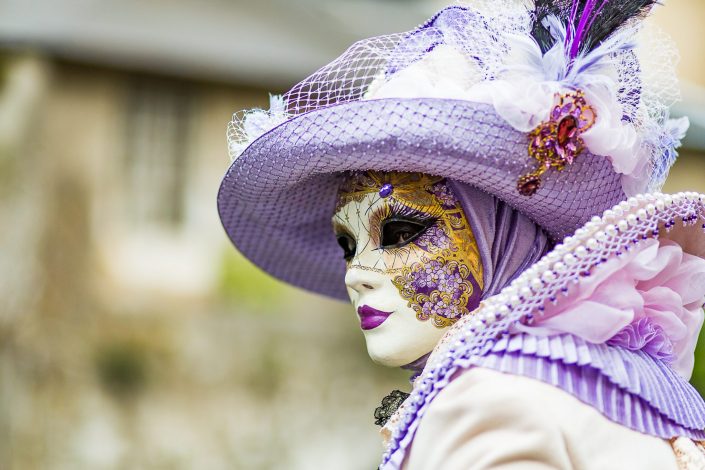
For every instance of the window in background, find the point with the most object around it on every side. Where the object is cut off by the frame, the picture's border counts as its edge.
(157, 150)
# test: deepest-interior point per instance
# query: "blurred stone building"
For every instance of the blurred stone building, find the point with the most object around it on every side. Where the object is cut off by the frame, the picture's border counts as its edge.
(131, 333)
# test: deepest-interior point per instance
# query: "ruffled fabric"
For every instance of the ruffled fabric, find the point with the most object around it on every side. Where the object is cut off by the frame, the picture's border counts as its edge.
(648, 299)
(645, 335)
(613, 137)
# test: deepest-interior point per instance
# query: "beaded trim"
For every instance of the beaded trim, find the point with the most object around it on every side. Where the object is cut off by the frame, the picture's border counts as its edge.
(617, 231)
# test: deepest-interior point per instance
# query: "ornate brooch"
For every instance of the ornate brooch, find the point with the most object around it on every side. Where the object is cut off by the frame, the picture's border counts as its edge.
(557, 142)
(389, 406)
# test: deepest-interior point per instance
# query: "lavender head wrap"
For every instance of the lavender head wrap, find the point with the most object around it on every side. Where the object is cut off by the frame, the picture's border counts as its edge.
(508, 241)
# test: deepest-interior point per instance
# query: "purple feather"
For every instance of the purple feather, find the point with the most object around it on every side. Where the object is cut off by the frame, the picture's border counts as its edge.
(587, 19)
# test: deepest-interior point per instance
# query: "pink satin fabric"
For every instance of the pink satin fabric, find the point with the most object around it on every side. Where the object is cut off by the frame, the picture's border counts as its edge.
(650, 298)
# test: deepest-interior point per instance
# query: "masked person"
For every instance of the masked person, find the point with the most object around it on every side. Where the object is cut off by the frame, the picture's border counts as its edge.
(484, 190)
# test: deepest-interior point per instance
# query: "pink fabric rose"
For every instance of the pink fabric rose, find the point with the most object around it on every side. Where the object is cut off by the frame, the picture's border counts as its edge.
(650, 298)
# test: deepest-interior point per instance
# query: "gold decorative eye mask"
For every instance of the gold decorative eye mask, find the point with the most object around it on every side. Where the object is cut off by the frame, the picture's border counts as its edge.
(426, 243)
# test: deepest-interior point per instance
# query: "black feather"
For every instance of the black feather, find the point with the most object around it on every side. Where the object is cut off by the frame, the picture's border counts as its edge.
(542, 10)
(613, 15)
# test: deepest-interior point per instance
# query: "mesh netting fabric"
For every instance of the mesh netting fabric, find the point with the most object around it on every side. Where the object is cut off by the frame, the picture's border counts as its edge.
(481, 38)
(658, 57)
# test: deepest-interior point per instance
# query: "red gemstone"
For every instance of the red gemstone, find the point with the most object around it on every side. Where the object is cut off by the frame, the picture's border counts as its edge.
(566, 130)
(528, 185)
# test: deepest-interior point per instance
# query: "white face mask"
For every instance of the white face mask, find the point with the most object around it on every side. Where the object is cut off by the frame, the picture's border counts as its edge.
(413, 264)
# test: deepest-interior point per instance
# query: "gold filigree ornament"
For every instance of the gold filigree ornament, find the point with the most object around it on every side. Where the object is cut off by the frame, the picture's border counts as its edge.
(557, 142)
(412, 189)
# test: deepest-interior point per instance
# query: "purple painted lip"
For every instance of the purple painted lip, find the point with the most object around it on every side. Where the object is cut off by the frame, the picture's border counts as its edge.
(371, 318)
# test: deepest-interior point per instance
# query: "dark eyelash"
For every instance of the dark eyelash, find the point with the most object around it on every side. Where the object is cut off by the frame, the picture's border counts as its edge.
(401, 211)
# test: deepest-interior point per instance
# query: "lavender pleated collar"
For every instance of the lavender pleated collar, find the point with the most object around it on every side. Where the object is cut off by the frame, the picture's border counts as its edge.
(628, 387)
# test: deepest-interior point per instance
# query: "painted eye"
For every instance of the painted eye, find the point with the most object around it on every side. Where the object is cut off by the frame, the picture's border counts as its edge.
(347, 243)
(397, 233)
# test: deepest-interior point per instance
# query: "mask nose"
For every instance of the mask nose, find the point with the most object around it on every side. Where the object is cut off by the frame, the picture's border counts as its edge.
(361, 280)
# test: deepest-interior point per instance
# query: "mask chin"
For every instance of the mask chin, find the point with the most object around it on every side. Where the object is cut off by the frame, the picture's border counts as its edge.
(404, 340)
(390, 358)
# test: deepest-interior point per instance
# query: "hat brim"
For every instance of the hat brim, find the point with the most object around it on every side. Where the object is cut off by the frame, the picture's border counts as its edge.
(277, 199)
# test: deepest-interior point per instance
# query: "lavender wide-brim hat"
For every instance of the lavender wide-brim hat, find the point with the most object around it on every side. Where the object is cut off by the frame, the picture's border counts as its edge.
(278, 197)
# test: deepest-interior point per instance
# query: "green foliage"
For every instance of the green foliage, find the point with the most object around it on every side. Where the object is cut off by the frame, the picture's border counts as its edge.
(698, 378)
(241, 282)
